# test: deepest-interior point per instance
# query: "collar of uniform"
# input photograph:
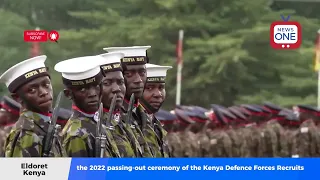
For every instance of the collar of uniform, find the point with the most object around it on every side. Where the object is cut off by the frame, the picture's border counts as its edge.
(147, 107)
(126, 101)
(80, 116)
(114, 112)
(115, 117)
(87, 114)
(37, 117)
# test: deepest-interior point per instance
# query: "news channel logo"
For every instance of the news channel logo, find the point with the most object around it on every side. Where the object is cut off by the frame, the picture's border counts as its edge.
(285, 34)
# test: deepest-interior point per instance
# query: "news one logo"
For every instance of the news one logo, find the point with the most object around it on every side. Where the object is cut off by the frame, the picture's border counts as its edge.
(285, 35)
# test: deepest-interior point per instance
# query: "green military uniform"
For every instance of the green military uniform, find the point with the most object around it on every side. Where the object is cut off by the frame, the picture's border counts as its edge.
(26, 138)
(10, 110)
(135, 55)
(159, 129)
(80, 132)
(4, 132)
(139, 123)
(155, 135)
(79, 136)
(124, 137)
(154, 131)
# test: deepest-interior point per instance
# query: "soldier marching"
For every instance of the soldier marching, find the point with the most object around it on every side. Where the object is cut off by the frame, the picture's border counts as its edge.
(116, 112)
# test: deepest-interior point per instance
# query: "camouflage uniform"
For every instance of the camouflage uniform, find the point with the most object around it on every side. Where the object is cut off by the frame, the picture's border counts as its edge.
(27, 136)
(10, 110)
(138, 122)
(79, 137)
(4, 132)
(159, 129)
(155, 135)
(125, 140)
(151, 136)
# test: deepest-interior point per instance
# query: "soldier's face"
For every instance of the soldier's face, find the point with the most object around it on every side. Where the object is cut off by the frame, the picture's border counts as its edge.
(113, 84)
(154, 94)
(87, 98)
(36, 95)
(135, 78)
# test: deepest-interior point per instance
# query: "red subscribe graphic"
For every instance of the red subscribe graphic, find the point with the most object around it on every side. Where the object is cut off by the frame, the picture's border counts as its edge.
(35, 36)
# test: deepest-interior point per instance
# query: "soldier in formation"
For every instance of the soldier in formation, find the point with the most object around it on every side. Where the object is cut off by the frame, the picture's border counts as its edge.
(243, 131)
(153, 97)
(114, 87)
(30, 85)
(9, 114)
(106, 118)
(83, 85)
(135, 75)
(116, 112)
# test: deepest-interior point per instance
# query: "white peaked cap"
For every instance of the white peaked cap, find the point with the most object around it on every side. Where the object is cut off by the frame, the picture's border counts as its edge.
(80, 68)
(129, 51)
(154, 70)
(110, 58)
(22, 68)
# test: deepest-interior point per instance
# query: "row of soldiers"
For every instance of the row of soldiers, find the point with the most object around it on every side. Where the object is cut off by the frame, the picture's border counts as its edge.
(114, 97)
(265, 130)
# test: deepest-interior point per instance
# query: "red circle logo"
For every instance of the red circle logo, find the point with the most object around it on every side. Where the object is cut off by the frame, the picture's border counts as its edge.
(54, 36)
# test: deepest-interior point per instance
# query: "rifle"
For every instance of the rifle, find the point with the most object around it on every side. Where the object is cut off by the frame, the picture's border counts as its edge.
(102, 141)
(111, 110)
(128, 120)
(53, 130)
(100, 138)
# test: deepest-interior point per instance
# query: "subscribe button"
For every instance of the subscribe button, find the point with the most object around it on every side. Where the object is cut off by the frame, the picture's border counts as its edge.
(35, 36)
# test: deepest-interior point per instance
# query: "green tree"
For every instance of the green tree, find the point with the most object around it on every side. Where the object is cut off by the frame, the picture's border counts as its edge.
(12, 47)
(49, 15)
(227, 57)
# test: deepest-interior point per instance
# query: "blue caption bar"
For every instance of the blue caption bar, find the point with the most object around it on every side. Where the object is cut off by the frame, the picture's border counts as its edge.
(194, 168)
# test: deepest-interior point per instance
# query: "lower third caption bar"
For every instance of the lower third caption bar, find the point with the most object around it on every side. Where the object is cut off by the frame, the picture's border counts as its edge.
(190, 168)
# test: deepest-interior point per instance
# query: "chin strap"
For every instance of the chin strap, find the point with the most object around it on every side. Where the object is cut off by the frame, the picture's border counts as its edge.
(148, 107)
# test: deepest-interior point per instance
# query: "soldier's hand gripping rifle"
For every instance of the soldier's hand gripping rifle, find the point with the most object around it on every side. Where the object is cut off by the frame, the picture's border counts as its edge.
(102, 141)
(53, 130)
